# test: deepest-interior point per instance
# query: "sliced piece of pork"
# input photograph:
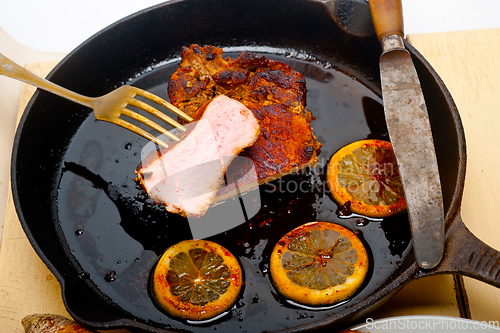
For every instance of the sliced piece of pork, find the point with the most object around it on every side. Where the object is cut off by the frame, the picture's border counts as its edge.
(186, 177)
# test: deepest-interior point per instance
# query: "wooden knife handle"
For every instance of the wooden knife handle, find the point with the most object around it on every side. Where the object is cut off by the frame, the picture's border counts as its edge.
(387, 16)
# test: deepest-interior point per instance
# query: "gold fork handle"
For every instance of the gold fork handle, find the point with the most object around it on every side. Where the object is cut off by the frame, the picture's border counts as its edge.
(15, 71)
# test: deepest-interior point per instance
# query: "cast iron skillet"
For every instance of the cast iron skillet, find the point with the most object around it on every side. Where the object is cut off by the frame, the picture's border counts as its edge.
(75, 196)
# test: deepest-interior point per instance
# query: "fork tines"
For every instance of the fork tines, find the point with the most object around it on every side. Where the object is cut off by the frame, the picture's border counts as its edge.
(154, 112)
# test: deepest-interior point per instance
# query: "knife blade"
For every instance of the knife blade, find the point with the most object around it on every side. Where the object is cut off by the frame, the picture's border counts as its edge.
(410, 134)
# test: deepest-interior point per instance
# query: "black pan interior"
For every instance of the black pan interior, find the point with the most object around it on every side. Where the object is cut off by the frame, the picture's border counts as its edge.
(73, 184)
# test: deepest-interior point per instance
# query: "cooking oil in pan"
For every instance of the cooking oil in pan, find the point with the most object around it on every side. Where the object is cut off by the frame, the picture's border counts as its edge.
(116, 233)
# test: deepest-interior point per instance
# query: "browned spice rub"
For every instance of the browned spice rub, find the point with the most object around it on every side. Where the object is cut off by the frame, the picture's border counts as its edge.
(273, 91)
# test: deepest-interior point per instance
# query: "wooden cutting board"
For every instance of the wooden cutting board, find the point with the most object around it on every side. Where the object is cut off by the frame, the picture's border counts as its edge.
(469, 64)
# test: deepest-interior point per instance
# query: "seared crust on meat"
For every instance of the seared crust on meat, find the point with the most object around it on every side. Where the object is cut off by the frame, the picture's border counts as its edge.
(273, 91)
(251, 78)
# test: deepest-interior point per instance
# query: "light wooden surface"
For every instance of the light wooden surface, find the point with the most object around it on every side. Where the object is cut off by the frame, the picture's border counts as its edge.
(469, 64)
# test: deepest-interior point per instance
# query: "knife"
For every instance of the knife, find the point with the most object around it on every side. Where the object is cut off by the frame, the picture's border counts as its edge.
(410, 134)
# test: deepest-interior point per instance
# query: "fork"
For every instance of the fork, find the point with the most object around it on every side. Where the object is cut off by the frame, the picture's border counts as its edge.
(110, 107)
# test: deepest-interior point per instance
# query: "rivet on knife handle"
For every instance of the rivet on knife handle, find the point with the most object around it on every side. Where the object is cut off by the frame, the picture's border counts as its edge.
(410, 133)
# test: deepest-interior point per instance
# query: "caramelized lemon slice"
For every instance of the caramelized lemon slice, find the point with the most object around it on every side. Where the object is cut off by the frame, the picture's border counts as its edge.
(318, 263)
(365, 173)
(197, 280)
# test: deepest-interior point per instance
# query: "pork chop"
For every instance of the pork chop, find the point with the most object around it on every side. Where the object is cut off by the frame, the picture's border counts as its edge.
(273, 91)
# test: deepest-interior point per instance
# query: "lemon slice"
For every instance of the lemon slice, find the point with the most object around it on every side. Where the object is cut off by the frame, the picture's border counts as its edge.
(365, 173)
(318, 263)
(197, 280)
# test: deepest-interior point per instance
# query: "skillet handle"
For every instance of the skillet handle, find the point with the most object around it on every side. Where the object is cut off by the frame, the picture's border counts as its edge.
(387, 16)
(465, 254)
